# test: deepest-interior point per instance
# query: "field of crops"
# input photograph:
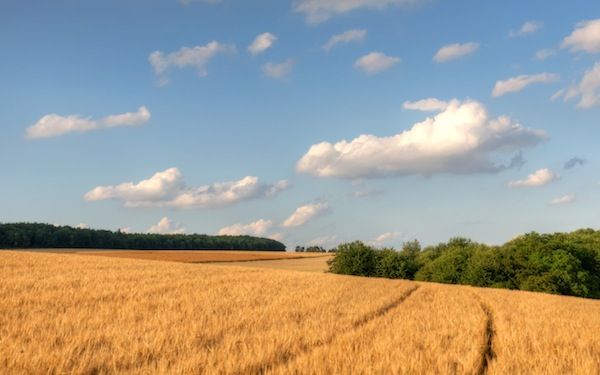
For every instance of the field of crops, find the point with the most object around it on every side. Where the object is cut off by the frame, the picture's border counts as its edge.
(202, 256)
(70, 313)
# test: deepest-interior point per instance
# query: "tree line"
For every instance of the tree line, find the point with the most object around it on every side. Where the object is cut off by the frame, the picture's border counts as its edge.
(34, 235)
(559, 263)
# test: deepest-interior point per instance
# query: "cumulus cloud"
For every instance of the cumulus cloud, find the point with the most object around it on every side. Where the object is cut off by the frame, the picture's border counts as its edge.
(454, 51)
(573, 162)
(518, 83)
(349, 36)
(306, 213)
(262, 43)
(527, 28)
(587, 90)
(316, 11)
(168, 189)
(278, 70)
(375, 62)
(540, 177)
(82, 226)
(195, 57)
(54, 125)
(566, 199)
(257, 228)
(426, 105)
(166, 226)
(544, 54)
(462, 139)
(585, 37)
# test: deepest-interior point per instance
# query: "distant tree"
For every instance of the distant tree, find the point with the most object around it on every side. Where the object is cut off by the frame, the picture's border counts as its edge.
(32, 235)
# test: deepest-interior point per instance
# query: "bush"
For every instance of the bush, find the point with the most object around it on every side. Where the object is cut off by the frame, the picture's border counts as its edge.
(561, 263)
(354, 258)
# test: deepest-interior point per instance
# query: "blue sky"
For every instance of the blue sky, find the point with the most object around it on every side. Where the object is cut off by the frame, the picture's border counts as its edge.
(119, 114)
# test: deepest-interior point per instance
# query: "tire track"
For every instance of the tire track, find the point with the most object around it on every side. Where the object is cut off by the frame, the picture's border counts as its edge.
(487, 351)
(281, 359)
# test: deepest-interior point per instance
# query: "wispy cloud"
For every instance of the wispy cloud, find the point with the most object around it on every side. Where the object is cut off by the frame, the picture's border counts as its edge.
(573, 162)
(585, 37)
(375, 62)
(316, 11)
(196, 57)
(518, 83)
(305, 214)
(262, 43)
(540, 177)
(54, 125)
(454, 51)
(349, 36)
(565, 199)
(278, 70)
(527, 28)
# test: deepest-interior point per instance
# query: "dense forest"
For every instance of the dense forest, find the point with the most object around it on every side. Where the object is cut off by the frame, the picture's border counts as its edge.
(559, 263)
(26, 235)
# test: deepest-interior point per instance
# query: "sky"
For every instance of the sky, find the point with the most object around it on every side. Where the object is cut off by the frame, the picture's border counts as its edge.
(313, 122)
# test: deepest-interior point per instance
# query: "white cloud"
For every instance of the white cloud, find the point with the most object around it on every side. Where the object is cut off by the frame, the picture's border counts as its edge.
(527, 28)
(306, 213)
(317, 11)
(258, 228)
(544, 54)
(387, 238)
(167, 189)
(166, 226)
(278, 71)
(426, 105)
(375, 62)
(588, 89)
(82, 226)
(454, 51)
(518, 83)
(585, 37)
(349, 36)
(262, 43)
(462, 139)
(566, 199)
(540, 177)
(54, 125)
(557, 94)
(196, 57)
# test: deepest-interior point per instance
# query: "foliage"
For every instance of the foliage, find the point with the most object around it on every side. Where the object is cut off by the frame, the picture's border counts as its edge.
(354, 258)
(310, 249)
(559, 263)
(25, 235)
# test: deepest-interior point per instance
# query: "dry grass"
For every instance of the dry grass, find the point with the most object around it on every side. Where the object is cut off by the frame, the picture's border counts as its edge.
(65, 313)
(201, 256)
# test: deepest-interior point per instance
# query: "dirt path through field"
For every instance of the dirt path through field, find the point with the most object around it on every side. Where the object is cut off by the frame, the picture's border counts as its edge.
(284, 358)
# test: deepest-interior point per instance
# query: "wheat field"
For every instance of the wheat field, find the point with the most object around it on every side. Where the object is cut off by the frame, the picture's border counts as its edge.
(70, 313)
(202, 256)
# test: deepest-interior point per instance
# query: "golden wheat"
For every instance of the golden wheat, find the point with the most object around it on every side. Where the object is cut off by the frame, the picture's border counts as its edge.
(67, 313)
